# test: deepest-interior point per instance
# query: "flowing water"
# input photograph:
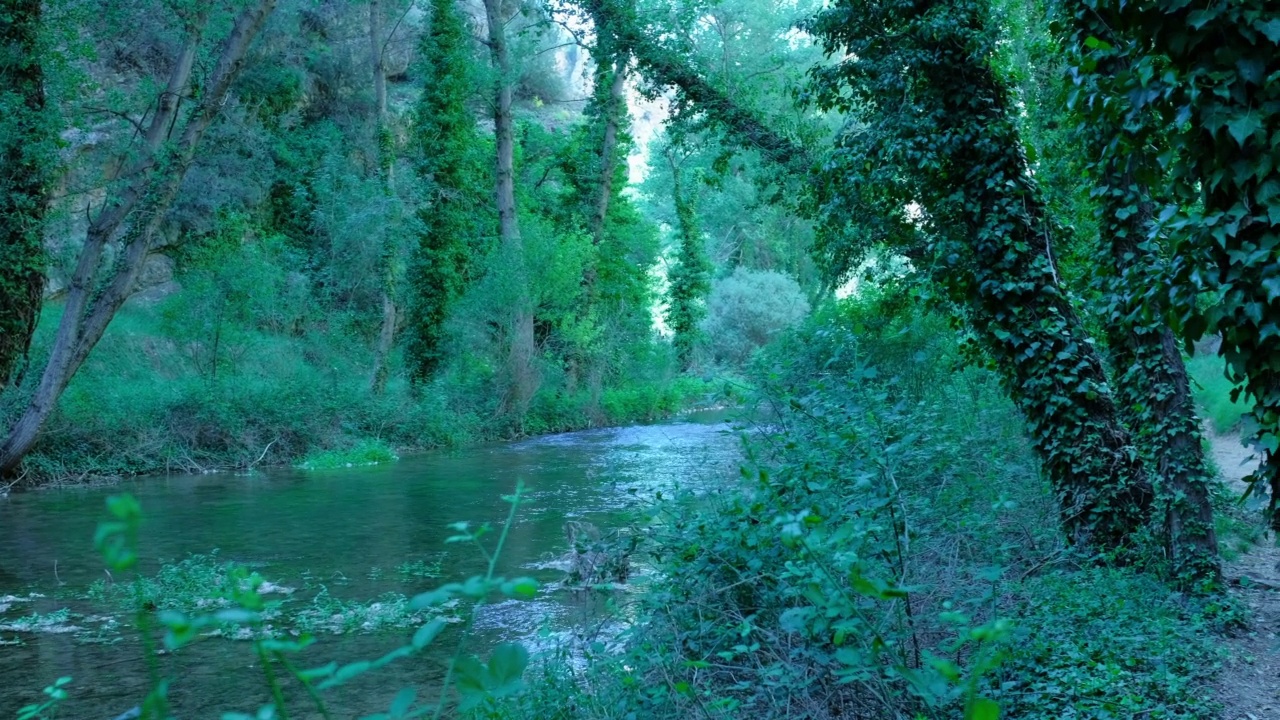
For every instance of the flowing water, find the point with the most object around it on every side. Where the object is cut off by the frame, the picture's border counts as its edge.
(345, 531)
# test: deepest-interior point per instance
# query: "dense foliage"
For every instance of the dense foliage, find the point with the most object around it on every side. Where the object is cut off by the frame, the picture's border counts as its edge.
(964, 262)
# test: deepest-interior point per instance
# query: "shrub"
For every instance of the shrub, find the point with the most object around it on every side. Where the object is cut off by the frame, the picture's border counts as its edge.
(363, 452)
(746, 310)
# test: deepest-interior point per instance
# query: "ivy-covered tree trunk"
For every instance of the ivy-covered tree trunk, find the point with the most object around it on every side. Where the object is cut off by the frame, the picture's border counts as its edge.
(25, 159)
(1150, 375)
(944, 126)
(521, 358)
(1154, 394)
(386, 167)
(448, 151)
(135, 214)
(1212, 70)
(613, 110)
(689, 277)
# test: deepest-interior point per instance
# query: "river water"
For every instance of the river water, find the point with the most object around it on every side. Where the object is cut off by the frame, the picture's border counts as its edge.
(344, 530)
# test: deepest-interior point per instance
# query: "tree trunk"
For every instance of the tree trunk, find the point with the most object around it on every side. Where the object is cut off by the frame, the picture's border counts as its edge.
(953, 136)
(521, 358)
(1154, 394)
(26, 155)
(1152, 388)
(89, 309)
(615, 106)
(689, 277)
(386, 166)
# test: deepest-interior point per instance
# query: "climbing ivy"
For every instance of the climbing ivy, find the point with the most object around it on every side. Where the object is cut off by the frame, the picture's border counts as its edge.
(1212, 69)
(26, 157)
(451, 160)
(1123, 161)
(690, 275)
(935, 125)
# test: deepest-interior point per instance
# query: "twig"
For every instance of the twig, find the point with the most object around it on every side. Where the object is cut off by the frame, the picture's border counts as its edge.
(1052, 558)
(264, 454)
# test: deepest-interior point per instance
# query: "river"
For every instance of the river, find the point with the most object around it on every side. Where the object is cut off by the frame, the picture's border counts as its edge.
(358, 533)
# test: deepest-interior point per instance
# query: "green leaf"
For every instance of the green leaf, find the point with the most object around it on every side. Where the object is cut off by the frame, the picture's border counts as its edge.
(427, 633)
(983, 709)
(524, 588)
(345, 673)
(403, 701)
(236, 615)
(507, 664)
(471, 674)
(319, 672)
(435, 597)
(1270, 28)
(1243, 126)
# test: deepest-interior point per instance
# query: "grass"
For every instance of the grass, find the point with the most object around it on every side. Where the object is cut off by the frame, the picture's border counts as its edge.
(420, 569)
(363, 452)
(1212, 391)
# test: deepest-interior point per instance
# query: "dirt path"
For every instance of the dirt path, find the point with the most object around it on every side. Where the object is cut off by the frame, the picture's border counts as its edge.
(1249, 687)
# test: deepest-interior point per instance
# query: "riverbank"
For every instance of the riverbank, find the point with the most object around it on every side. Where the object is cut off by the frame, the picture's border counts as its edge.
(146, 403)
(229, 427)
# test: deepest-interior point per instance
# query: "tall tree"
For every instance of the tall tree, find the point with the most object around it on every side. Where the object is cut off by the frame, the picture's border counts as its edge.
(26, 140)
(689, 276)
(1150, 376)
(447, 144)
(523, 377)
(134, 215)
(941, 135)
(385, 140)
(1211, 69)
(609, 106)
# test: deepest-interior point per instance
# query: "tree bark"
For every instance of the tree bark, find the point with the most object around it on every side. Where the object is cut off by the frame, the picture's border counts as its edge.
(521, 355)
(386, 166)
(615, 106)
(26, 156)
(1152, 388)
(158, 177)
(1154, 394)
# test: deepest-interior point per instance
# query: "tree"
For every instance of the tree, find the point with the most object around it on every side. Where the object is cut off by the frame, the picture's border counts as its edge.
(386, 167)
(1151, 381)
(689, 276)
(135, 215)
(1210, 69)
(26, 140)
(521, 357)
(936, 146)
(447, 144)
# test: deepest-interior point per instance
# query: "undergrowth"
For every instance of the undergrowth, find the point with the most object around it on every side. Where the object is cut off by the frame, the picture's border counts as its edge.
(363, 452)
(151, 400)
(889, 551)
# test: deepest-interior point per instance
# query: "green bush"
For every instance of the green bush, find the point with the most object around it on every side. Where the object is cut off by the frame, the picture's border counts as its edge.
(363, 452)
(746, 310)
(890, 550)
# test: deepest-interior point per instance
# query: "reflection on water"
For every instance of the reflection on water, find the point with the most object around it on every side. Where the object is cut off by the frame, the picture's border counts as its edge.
(335, 527)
